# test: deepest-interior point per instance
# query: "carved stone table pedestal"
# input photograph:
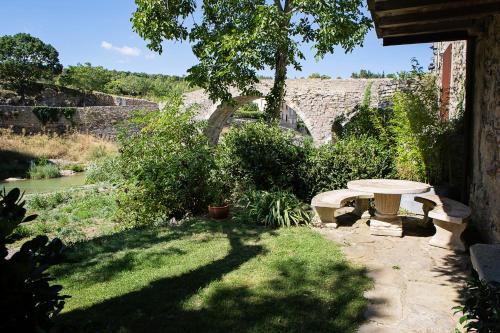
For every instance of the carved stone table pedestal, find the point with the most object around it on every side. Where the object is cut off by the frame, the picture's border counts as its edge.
(387, 196)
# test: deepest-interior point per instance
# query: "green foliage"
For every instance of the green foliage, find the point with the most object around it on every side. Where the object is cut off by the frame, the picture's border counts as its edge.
(72, 215)
(48, 201)
(166, 165)
(364, 120)
(366, 74)
(261, 156)
(28, 302)
(258, 115)
(274, 209)
(331, 166)
(43, 170)
(426, 148)
(86, 77)
(52, 114)
(319, 76)
(235, 39)
(104, 170)
(249, 111)
(75, 167)
(219, 187)
(481, 307)
(25, 59)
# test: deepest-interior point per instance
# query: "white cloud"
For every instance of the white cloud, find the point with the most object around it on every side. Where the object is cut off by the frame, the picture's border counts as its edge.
(106, 45)
(124, 50)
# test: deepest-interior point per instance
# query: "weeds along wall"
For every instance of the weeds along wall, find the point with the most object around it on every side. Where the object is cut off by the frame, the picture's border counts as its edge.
(102, 121)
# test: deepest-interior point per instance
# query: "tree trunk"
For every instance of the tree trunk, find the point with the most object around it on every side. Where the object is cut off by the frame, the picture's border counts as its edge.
(275, 98)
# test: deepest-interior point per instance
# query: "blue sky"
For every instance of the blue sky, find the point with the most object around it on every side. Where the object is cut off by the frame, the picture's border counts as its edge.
(100, 32)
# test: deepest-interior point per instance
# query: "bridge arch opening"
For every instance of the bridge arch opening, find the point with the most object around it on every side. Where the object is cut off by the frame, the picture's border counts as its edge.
(291, 117)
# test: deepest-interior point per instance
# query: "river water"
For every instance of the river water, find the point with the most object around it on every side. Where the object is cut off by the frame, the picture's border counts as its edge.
(45, 185)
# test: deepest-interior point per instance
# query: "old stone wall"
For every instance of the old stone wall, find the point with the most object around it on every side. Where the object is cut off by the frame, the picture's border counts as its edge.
(485, 189)
(102, 121)
(457, 83)
(317, 102)
(57, 96)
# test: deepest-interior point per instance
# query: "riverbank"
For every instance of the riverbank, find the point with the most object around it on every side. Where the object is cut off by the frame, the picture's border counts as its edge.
(19, 151)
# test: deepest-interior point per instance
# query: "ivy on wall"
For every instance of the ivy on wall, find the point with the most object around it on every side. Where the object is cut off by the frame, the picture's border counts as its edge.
(52, 114)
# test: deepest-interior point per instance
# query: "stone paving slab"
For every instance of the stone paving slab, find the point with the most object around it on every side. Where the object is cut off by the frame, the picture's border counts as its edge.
(415, 285)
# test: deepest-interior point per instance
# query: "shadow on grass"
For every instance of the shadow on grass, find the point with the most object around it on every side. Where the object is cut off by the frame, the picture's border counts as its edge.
(295, 299)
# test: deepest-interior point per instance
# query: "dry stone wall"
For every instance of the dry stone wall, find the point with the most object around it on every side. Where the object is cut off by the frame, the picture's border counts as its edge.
(100, 116)
(102, 121)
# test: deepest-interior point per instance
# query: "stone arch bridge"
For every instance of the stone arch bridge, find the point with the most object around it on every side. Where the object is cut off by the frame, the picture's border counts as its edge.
(317, 102)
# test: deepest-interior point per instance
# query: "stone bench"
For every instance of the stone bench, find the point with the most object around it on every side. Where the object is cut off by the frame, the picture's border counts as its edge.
(325, 204)
(450, 218)
(485, 259)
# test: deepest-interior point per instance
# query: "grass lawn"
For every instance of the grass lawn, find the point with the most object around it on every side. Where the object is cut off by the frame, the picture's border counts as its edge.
(210, 276)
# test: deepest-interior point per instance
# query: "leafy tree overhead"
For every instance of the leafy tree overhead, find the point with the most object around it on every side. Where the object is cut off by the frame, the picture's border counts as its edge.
(234, 39)
(25, 59)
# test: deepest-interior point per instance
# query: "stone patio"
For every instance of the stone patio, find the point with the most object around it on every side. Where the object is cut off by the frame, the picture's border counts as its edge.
(415, 285)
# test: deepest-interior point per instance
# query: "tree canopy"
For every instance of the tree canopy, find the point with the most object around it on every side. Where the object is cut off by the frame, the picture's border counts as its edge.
(25, 59)
(234, 39)
(85, 77)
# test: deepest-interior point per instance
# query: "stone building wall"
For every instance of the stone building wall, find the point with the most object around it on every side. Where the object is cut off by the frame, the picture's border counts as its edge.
(485, 187)
(102, 121)
(457, 84)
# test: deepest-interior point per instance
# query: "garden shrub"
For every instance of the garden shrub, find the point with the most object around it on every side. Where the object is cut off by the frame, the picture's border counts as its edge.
(166, 165)
(332, 165)
(423, 145)
(260, 156)
(274, 209)
(28, 302)
(104, 170)
(481, 307)
(364, 120)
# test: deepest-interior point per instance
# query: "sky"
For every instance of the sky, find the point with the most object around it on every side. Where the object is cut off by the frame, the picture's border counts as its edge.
(100, 32)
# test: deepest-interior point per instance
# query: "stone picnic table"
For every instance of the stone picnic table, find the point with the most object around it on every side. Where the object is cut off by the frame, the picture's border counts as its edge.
(387, 196)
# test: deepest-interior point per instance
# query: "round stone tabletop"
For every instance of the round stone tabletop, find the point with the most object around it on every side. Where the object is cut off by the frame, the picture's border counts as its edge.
(388, 186)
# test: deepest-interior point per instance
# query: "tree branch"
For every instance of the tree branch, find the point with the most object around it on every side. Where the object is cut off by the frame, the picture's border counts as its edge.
(278, 5)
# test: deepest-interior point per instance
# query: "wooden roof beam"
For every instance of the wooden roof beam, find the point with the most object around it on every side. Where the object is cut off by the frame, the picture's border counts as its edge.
(470, 11)
(402, 7)
(397, 5)
(469, 25)
(426, 38)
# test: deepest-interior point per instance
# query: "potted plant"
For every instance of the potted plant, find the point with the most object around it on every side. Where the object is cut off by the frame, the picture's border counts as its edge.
(219, 196)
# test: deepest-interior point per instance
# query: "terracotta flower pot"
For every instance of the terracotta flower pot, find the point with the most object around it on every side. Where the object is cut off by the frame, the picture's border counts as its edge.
(219, 213)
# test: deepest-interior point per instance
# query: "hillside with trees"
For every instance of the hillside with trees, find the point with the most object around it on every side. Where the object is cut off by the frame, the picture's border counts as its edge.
(30, 69)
